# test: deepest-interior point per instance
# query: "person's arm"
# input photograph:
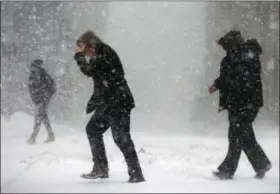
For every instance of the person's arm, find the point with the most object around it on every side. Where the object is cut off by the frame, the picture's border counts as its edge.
(85, 67)
(95, 68)
(220, 81)
(49, 82)
(32, 88)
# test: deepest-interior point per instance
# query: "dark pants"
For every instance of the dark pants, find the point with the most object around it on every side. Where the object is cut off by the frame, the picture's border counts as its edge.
(241, 137)
(120, 126)
(41, 116)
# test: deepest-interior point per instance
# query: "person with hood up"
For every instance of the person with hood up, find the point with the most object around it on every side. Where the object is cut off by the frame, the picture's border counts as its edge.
(240, 87)
(41, 88)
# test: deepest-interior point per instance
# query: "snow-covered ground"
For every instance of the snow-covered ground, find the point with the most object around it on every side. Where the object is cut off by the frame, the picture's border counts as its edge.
(171, 163)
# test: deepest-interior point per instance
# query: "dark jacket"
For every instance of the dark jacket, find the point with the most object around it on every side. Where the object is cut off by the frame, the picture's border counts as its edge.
(41, 86)
(111, 90)
(240, 81)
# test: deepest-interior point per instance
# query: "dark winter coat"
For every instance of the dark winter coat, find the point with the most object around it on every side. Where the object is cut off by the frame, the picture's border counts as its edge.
(41, 85)
(240, 82)
(111, 90)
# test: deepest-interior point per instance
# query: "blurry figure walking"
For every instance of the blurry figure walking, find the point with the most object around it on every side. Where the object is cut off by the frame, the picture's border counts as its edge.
(240, 87)
(41, 88)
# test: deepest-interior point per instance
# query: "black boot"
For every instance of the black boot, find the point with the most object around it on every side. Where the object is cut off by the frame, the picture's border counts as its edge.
(222, 175)
(136, 178)
(261, 173)
(97, 172)
(32, 139)
(134, 169)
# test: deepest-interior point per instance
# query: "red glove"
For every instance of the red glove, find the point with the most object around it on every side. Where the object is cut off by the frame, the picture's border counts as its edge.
(212, 89)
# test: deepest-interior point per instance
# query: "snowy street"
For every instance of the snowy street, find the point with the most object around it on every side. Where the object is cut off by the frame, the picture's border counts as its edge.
(171, 163)
(181, 79)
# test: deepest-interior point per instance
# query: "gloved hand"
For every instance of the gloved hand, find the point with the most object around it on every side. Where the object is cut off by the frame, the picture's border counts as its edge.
(212, 89)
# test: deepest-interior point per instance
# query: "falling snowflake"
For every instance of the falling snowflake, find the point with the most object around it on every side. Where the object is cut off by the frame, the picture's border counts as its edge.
(63, 47)
(178, 78)
(250, 55)
(270, 65)
(60, 72)
(273, 25)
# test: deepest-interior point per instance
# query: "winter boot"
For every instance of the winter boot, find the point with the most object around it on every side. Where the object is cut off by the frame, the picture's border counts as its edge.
(222, 175)
(136, 178)
(134, 168)
(261, 173)
(135, 174)
(32, 139)
(50, 138)
(97, 172)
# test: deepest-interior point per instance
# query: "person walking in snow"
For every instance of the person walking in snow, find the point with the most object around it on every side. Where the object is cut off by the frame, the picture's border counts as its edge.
(41, 88)
(112, 102)
(240, 87)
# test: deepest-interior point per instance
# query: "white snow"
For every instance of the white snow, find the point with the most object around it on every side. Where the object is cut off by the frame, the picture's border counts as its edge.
(270, 65)
(164, 48)
(273, 25)
(171, 162)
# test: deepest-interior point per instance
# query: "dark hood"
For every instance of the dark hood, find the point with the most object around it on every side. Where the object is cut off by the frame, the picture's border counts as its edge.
(254, 45)
(37, 63)
(231, 39)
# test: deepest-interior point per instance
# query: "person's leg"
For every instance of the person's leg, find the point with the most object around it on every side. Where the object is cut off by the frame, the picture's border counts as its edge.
(95, 129)
(229, 165)
(121, 133)
(47, 124)
(38, 118)
(251, 147)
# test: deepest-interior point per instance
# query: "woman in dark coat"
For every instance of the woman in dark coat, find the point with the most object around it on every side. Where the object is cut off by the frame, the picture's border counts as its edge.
(112, 102)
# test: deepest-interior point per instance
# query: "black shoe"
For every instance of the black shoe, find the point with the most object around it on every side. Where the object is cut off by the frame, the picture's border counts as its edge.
(222, 175)
(96, 173)
(135, 174)
(261, 173)
(136, 179)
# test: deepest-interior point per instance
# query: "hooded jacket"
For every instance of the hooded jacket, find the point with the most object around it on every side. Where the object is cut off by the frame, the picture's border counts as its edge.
(40, 84)
(240, 82)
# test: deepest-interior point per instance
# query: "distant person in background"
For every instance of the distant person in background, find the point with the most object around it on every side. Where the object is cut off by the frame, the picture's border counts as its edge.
(41, 88)
(112, 102)
(240, 88)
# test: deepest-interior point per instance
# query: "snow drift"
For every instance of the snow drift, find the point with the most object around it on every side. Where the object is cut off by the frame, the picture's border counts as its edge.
(171, 162)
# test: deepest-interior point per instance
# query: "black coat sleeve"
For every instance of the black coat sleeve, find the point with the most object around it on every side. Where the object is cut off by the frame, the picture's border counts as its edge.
(30, 86)
(95, 68)
(50, 83)
(220, 81)
(82, 63)
(105, 67)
